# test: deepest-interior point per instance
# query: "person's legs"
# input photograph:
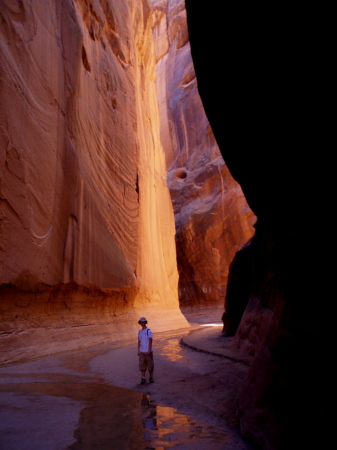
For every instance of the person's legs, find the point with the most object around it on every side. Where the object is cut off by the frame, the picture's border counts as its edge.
(146, 363)
(142, 367)
(151, 367)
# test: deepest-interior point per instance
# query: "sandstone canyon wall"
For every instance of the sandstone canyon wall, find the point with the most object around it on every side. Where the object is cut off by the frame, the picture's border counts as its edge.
(213, 219)
(87, 225)
(267, 94)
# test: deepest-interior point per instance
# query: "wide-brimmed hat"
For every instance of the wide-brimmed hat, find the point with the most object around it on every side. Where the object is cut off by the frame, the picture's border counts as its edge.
(142, 319)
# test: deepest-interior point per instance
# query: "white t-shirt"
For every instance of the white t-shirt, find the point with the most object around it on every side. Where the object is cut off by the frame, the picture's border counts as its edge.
(144, 338)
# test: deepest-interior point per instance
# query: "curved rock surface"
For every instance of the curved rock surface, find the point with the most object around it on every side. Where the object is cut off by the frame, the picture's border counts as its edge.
(87, 225)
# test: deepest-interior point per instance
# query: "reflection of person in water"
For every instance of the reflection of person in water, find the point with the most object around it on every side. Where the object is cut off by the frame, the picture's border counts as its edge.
(150, 423)
(145, 352)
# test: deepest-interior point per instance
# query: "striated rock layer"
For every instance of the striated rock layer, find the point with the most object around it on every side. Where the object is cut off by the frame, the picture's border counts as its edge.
(272, 120)
(87, 225)
(213, 219)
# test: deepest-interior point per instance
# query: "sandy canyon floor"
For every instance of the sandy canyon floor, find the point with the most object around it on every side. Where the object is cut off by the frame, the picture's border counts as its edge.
(92, 398)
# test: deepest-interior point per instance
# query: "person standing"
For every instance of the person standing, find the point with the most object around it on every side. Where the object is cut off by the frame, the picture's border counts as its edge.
(145, 353)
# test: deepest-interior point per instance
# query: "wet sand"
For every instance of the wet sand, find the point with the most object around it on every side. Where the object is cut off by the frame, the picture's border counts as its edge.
(92, 398)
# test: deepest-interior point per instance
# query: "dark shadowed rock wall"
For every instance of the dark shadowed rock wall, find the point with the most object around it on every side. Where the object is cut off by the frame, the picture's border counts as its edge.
(265, 77)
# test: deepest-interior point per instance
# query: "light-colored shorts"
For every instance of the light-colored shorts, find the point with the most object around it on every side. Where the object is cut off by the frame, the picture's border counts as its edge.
(146, 361)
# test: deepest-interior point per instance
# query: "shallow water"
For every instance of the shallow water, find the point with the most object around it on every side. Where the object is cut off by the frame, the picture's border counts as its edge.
(165, 427)
(177, 410)
(97, 400)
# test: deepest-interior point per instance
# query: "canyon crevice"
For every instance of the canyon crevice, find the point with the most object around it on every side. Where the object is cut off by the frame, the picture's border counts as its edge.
(155, 158)
(213, 220)
(103, 130)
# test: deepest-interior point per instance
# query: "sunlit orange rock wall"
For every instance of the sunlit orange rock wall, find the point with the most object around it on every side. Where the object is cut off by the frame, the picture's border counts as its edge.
(87, 225)
(212, 217)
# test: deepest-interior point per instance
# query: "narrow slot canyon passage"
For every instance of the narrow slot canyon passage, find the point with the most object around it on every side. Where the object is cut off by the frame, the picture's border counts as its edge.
(91, 398)
(161, 159)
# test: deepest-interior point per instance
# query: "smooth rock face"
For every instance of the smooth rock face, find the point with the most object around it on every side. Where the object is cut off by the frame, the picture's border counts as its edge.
(87, 225)
(213, 219)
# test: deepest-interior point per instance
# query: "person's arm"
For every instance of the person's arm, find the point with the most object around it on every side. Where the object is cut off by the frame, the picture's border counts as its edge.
(138, 346)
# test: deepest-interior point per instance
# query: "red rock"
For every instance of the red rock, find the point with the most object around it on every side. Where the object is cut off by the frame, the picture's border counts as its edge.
(212, 217)
(87, 225)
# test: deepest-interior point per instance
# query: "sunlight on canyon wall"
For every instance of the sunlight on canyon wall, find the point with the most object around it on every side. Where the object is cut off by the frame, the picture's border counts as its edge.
(213, 219)
(87, 225)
